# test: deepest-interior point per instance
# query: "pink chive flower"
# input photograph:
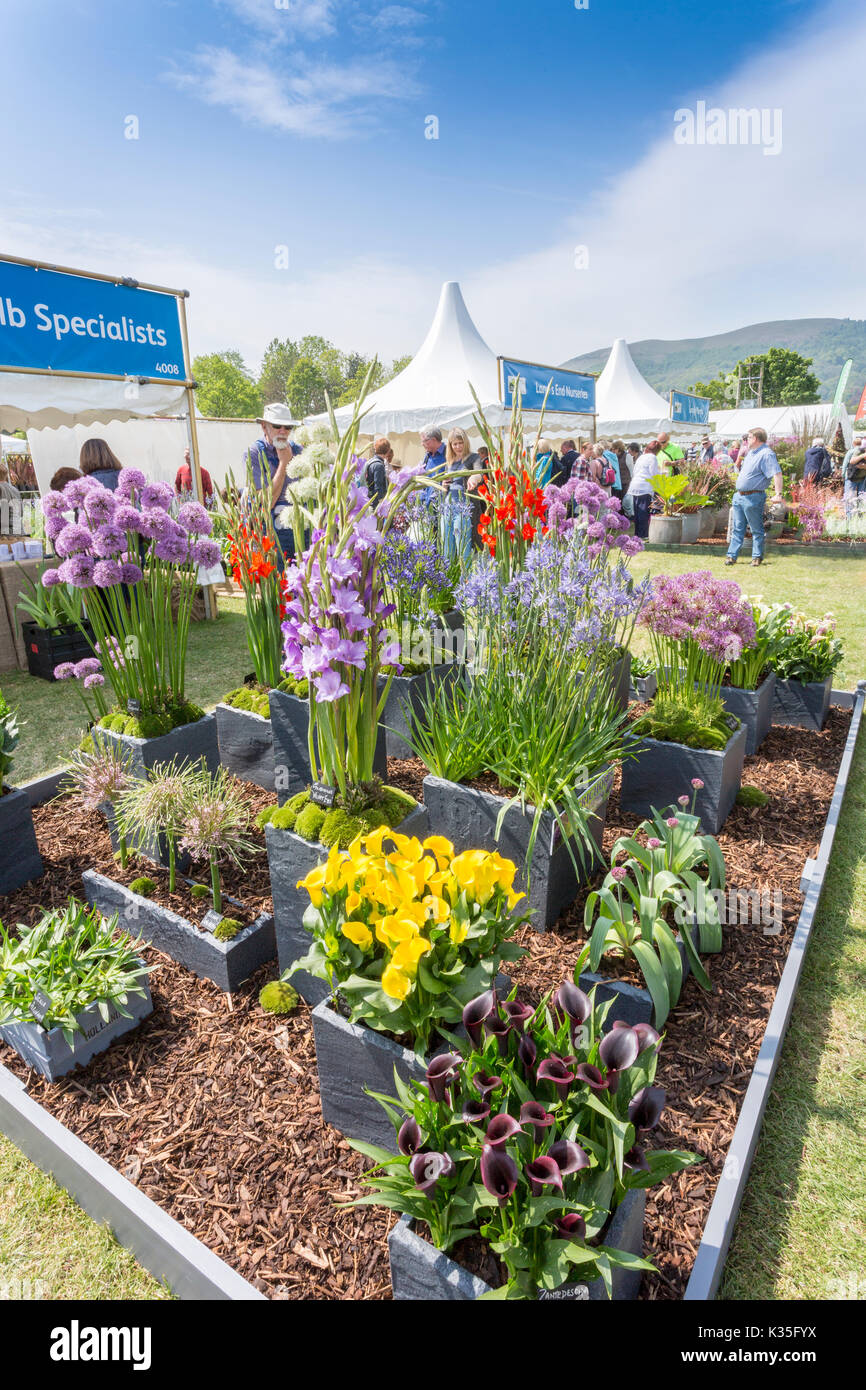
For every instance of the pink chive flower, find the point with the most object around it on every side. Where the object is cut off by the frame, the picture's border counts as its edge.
(618, 873)
(653, 844)
(683, 800)
(672, 822)
(697, 784)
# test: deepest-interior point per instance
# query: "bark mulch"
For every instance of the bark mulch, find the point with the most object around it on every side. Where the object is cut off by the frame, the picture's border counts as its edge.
(211, 1107)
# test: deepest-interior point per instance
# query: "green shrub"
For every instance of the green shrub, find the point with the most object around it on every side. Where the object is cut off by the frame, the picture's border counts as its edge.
(278, 997)
(143, 886)
(310, 821)
(752, 796)
(227, 929)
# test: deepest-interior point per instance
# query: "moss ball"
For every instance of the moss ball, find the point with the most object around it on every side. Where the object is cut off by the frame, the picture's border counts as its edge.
(752, 796)
(396, 806)
(199, 890)
(310, 821)
(143, 887)
(278, 997)
(227, 929)
(333, 827)
(266, 815)
(87, 745)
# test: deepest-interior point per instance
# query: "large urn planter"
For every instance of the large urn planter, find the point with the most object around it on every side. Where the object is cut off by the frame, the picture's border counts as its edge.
(663, 771)
(290, 726)
(246, 745)
(754, 708)
(189, 743)
(691, 527)
(804, 704)
(706, 522)
(47, 647)
(48, 1052)
(421, 1272)
(290, 859)
(666, 530)
(226, 963)
(405, 698)
(20, 860)
(467, 817)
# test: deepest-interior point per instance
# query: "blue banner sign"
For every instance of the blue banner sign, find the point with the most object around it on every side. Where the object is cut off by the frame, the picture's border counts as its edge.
(690, 410)
(71, 323)
(570, 392)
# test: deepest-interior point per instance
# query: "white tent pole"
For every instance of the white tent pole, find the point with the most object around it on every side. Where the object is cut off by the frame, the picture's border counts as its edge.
(210, 607)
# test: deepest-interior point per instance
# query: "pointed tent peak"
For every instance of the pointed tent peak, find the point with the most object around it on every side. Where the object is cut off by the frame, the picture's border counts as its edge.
(453, 329)
(626, 401)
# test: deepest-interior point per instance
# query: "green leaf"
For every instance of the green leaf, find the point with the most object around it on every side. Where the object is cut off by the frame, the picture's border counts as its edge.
(655, 981)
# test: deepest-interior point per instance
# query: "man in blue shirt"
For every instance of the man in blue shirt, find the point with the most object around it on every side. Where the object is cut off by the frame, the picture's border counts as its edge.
(269, 459)
(759, 466)
(434, 457)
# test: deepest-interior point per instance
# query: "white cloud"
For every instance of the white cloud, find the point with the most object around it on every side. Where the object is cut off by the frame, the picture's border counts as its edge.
(286, 19)
(307, 99)
(398, 17)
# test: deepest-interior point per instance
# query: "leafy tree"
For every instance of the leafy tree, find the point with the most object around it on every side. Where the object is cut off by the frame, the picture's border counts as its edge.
(714, 390)
(399, 365)
(787, 379)
(277, 363)
(359, 366)
(306, 388)
(224, 386)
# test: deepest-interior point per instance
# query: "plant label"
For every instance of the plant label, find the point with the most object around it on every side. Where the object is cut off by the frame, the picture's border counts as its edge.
(323, 796)
(566, 1293)
(211, 920)
(133, 707)
(40, 1006)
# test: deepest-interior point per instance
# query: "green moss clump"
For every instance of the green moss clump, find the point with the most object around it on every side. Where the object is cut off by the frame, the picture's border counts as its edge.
(114, 722)
(240, 699)
(199, 890)
(396, 806)
(752, 796)
(700, 722)
(143, 886)
(278, 997)
(87, 745)
(290, 686)
(227, 929)
(266, 815)
(310, 821)
(333, 829)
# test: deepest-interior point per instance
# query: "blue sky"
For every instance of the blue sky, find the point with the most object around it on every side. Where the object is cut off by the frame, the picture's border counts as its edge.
(303, 125)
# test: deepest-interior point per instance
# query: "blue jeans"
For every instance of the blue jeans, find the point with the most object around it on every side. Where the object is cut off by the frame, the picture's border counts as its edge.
(747, 511)
(855, 496)
(455, 526)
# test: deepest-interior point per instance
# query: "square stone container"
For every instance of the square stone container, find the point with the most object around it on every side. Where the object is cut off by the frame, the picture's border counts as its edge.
(246, 745)
(20, 860)
(48, 1052)
(804, 704)
(662, 772)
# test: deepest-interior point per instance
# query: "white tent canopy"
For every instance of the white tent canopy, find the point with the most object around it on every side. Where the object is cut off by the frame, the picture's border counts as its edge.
(435, 387)
(628, 407)
(35, 401)
(804, 421)
(8, 445)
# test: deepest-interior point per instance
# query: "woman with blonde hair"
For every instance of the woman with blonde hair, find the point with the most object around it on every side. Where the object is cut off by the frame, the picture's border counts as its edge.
(456, 508)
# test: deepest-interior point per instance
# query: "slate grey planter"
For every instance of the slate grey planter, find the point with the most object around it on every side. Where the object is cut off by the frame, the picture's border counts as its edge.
(188, 744)
(290, 724)
(410, 691)
(722, 518)
(754, 709)
(666, 530)
(48, 1052)
(802, 704)
(468, 818)
(621, 682)
(290, 859)
(226, 963)
(246, 745)
(420, 1272)
(643, 688)
(706, 522)
(631, 1004)
(20, 860)
(662, 772)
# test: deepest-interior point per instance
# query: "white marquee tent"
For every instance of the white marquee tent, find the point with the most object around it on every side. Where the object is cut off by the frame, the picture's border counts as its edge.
(435, 387)
(804, 421)
(628, 407)
(10, 445)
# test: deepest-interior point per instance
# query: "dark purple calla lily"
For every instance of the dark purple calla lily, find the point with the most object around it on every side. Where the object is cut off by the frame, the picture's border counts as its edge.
(619, 1049)
(647, 1036)
(553, 1069)
(592, 1076)
(502, 1128)
(636, 1159)
(571, 1226)
(517, 1014)
(476, 1011)
(429, 1168)
(543, 1172)
(568, 1156)
(485, 1085)
(498, 1028)
(441, 1072)
(573, 1002)
(646, 1107)
(499, 1173)
(526, 1054)
(533, 1113)
(475, 1112)
(410, 1137)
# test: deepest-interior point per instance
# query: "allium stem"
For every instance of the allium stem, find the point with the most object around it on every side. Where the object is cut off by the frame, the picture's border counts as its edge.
(215, 882)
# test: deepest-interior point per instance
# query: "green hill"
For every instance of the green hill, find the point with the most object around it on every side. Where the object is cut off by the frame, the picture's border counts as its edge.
(679, 364)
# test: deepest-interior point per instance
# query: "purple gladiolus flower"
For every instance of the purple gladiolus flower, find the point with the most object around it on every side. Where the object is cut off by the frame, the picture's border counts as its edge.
(475, 1112)
(502, 1128)
(533, 1113)
(351, 653)
(485, 1085)
(330, 687)
(646, 1106)
(410, 1137)
(428, 1169)
(518, 1014)
(499, 1173)
(572, 1226)
(568, 1156)
(441, 1072)
(553, 1069)
(591, 1076)
(475, 1013)
(543, 1172)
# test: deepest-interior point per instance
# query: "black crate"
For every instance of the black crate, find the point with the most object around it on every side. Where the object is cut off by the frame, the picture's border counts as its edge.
(47, 647)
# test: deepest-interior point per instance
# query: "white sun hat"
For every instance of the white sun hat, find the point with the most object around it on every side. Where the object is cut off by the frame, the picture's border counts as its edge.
(278, 414)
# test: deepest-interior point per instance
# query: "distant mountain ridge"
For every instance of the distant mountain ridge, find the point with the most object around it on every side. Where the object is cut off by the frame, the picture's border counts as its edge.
(679, 363)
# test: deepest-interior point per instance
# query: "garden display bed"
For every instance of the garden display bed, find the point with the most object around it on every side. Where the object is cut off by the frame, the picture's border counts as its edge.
(211, 1107)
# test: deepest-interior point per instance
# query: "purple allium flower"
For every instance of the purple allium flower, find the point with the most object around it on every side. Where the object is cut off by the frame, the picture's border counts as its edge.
(100, 506)
(653, 843)
(129, 480)
(173, 545)
(53, 502)
(107, 573)
(51, 578)
(88, 667)
(130, 574)
(108, 540)
(65, 671)
(78, 571)
(682, 800)
(697, 784)
(96, 679)
(159, 495)
(619, 873)
(54, 524)
(74, 539)
(672, 822)
(194, 518)
(155, 524)
(127, 518)
(74, 493)
(206, 553)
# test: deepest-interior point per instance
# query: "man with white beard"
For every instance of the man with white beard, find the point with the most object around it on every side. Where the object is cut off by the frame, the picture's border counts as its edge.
(269, 458)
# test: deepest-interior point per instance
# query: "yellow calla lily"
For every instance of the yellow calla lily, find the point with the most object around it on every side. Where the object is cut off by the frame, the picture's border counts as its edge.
(409, 953)
(458, 931)
(395, 984)
(407, 846)
(392, 930)
(359, 934)
(373, 841)
(442, 849)
(353, 902)
(314, 883)
(436, 909)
